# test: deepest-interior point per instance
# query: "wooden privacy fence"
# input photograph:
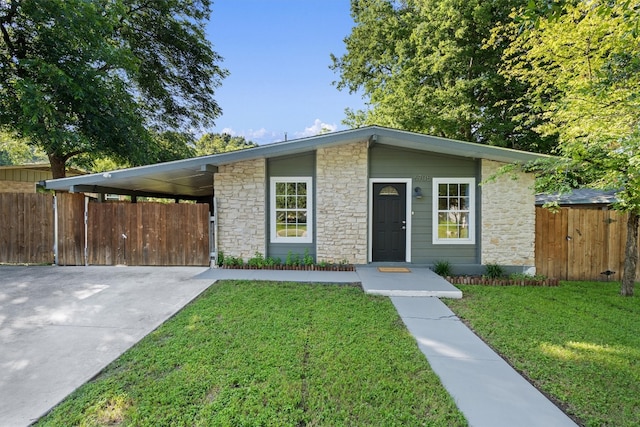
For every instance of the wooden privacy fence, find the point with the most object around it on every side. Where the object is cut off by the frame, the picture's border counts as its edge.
(580, 244)
(115, 233)
(26, 228)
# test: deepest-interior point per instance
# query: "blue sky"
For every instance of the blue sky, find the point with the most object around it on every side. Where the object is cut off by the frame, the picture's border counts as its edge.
(278, 54)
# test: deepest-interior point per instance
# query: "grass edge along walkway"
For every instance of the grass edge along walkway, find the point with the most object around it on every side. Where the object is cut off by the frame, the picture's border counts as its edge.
(578, 343)
(266, 353)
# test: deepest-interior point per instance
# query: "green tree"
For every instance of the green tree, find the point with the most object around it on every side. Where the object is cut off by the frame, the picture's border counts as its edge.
(582, 68)
(103, 77)
(424, 65)
(16, 152)
(221, 143)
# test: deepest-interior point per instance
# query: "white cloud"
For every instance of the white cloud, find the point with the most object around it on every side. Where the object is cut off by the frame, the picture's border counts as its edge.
(317, 128)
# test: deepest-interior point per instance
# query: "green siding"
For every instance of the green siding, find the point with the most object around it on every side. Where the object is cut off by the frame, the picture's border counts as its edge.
(298, 165)
(422, 167)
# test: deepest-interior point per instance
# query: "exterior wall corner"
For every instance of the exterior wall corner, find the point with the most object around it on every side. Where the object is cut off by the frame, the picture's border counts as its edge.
(241, 196)
(508, 217)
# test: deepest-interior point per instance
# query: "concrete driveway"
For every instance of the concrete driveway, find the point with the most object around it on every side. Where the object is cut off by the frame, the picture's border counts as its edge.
(59, 326)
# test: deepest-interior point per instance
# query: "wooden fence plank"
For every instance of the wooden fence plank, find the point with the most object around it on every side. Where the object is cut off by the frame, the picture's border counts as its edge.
(580, 244)
(70, 229)
(26, 229)
(157, 234)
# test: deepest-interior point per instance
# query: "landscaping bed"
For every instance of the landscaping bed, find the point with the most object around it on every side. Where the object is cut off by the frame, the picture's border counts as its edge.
(502, 281)
(293, 261)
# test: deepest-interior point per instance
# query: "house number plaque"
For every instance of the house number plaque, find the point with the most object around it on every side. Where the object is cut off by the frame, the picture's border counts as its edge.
(422, 178)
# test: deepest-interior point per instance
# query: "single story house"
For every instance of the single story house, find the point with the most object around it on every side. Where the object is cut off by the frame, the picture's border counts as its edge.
(365, 195)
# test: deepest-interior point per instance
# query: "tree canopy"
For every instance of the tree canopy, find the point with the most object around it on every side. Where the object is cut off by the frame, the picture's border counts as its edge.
(104, 76)
(221, 143)
(582, 68)
(425, 66)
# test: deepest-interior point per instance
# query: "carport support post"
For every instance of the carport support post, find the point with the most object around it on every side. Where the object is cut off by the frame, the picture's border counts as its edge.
(86, 231)
(55, 230)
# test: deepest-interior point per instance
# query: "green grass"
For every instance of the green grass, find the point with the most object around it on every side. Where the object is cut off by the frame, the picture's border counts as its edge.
(579, 342)
(259, 353)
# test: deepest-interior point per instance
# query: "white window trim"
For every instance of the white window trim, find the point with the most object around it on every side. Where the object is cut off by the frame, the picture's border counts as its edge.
(471, 240)
(272, 214)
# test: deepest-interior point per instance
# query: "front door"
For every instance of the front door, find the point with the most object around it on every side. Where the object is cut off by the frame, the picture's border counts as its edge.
(389, 222)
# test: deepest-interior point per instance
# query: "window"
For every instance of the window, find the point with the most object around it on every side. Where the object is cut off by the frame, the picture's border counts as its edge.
(291, 210)
(454, 211)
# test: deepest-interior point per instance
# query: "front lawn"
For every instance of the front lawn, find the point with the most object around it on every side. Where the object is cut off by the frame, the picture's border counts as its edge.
(260, 353)
(579, 342)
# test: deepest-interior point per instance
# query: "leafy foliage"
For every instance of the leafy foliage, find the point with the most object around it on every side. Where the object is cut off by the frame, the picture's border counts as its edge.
(424, 66)
(582, 69)
(442, 268)
(494, 271)
(221, 143)
(16, 152)
(98, 76)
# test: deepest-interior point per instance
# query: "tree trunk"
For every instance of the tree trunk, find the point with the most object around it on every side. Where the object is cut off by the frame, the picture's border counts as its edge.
(630, 255)
(58, 166)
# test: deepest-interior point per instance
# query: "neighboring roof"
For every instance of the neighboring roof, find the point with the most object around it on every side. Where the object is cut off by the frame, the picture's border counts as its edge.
(192, 178)
(40, 167)
(582, 196)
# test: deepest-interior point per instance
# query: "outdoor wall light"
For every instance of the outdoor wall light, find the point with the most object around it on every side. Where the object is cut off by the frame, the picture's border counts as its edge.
(417, 193)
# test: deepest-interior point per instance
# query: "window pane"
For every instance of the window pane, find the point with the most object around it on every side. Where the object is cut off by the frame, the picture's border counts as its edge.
(291, 188)
(280, 202)
(453, 189)
(464, 203)
(464, 189)
(443, 203)
(442, 189)
(453, 204)
(280, 188)
(291, 202)
(302, 217)
(463, 220)
(302, 202)
(302, 188)
(389, 190)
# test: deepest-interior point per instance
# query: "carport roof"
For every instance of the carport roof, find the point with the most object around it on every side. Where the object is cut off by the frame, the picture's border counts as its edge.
(193, 178)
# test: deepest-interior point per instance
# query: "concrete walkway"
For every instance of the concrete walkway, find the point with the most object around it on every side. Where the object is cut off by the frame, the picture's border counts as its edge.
(488, 391)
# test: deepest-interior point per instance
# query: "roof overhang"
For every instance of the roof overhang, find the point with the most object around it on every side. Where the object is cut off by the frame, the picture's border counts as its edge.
(193, 178)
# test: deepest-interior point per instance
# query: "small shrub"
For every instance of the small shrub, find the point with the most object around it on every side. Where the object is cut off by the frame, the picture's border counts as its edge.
(494, 271)
(289, 259)
(220, 260)
(257, 261)
(442, 268)
(307, 260)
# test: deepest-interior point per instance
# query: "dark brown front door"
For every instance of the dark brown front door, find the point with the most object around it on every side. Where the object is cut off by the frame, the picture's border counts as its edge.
(389, 222)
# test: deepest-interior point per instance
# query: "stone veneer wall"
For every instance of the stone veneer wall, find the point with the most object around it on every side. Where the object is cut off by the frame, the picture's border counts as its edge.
(341, 203)
(240, 194)
(508, 218)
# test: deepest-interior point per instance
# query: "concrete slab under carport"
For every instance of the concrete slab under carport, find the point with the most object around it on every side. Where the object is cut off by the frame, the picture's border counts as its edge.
(60, 326)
